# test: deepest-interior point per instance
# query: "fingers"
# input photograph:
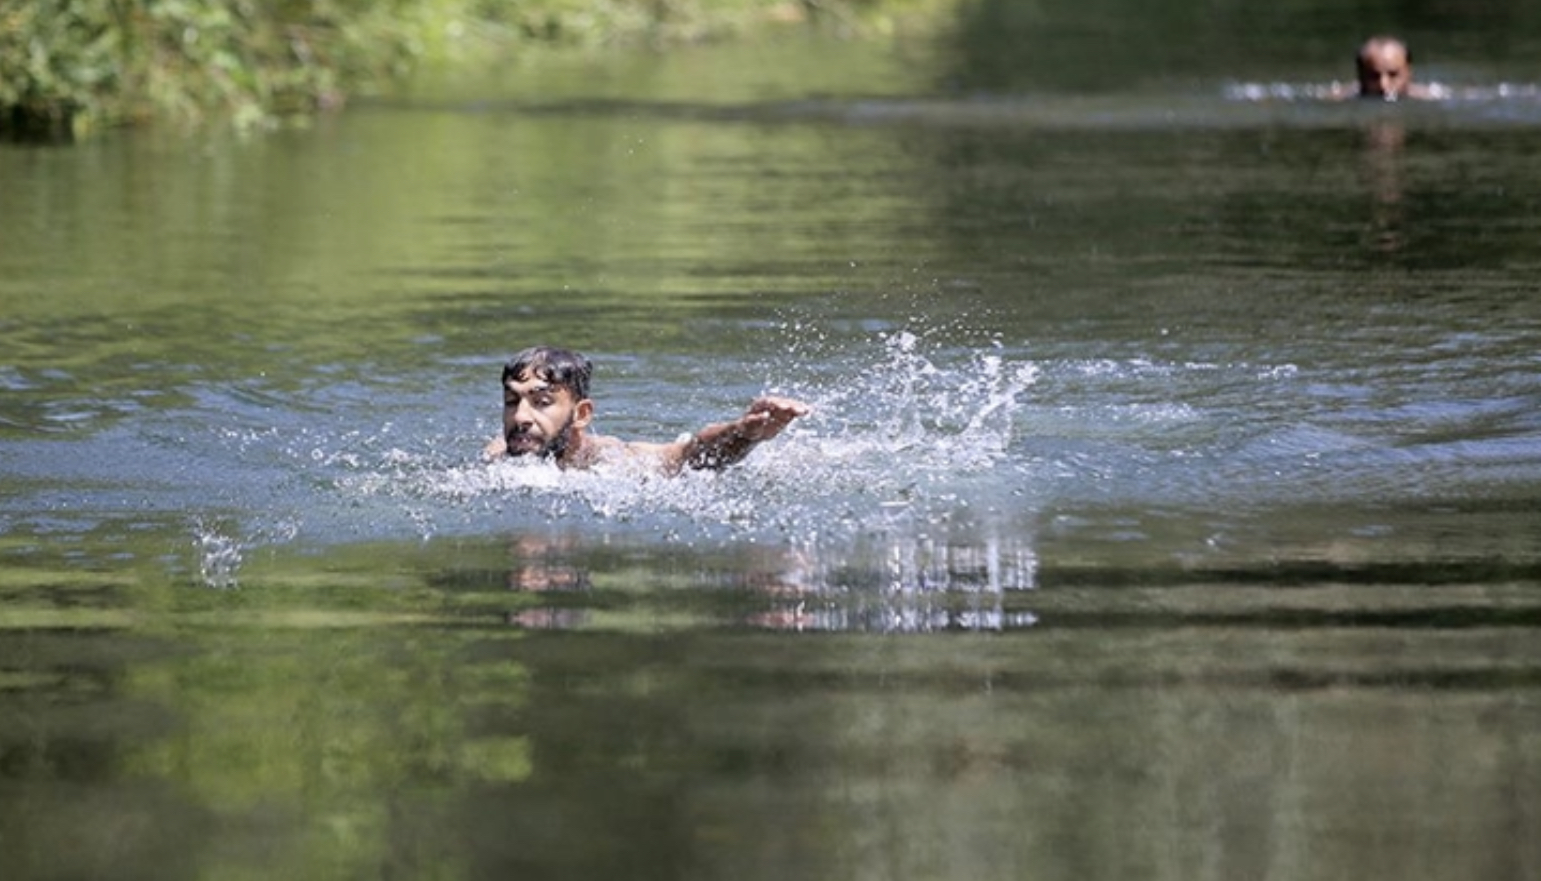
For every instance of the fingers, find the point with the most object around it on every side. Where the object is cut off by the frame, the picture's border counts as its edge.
(767, 416)
(787, 408)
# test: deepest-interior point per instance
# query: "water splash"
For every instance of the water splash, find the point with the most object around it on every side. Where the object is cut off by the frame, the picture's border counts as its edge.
(219, 556)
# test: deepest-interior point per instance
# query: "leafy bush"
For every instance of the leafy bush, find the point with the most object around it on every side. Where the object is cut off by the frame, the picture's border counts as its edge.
(57, 60)
(67, 66)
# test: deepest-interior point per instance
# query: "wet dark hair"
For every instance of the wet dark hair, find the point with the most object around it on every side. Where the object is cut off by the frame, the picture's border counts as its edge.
(560, 367)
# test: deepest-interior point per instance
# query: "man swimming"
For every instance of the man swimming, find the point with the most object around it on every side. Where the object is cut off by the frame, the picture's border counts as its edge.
(547, 412)
(1385, 71)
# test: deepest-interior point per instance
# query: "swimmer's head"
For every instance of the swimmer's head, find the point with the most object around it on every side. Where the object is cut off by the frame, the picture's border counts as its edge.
(1385, 68)
(546, 402)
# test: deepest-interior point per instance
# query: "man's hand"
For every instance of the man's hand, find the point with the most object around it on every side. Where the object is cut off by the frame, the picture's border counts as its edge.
(767, 416)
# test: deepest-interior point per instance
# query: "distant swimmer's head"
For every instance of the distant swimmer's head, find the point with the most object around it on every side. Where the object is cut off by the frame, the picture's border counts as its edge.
(1385, 69)
(546, 402)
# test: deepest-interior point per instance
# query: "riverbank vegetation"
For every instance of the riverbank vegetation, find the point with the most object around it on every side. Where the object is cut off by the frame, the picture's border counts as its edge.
(70, 66)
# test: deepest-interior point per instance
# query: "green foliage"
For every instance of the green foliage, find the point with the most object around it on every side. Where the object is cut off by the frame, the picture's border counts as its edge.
(56, 60)
(67, 66)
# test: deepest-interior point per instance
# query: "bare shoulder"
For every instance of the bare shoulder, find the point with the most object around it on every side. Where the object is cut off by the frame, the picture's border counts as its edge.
(496, 448)
(601, 451)
(598, 448)
(667, 457)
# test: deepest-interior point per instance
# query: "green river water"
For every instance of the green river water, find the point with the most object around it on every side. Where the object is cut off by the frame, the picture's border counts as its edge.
(1168, 508)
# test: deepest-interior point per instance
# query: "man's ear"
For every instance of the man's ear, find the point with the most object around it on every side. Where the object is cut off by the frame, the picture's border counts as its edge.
(583, 414)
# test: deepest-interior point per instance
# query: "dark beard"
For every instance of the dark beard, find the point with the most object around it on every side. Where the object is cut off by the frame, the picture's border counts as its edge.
(555, 447)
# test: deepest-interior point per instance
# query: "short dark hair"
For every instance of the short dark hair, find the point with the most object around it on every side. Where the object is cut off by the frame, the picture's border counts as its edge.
(560, 367)
(1378, 41)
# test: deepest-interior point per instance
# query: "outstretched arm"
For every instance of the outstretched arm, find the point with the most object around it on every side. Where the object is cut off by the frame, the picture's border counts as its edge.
(724, 443)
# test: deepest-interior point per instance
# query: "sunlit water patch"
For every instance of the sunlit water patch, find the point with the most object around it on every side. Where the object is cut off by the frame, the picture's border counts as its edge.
(921, 436)
(1307, 104)
(1281, 91)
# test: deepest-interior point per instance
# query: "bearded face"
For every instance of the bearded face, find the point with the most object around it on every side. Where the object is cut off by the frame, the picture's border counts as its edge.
(539, 418)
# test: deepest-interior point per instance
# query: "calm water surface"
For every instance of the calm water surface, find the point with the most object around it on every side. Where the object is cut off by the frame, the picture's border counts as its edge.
(1168, 509)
